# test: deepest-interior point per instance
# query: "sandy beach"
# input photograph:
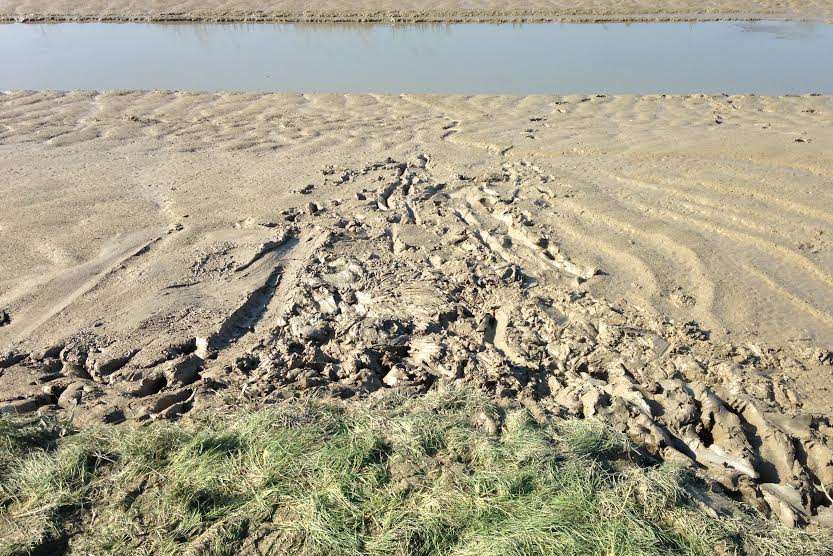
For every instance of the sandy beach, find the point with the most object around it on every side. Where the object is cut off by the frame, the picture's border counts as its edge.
(412, 11)
(663, 263)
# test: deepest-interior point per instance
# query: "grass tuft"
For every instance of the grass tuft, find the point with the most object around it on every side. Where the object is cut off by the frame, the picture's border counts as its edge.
(448, 474)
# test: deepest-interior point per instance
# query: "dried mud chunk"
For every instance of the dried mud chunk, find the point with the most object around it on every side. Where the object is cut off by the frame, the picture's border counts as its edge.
(690, 368)
(823, 518)
(162, 350)
(26, 405)
(366, 380)
(679, 407)
(203, 348)
(420, 161)
(395, 377)
(728, 445)
(163, 401)
(183, 371)
(247, 362)
(105, 410)
(74, 354)
(50, 366)
(57, 387)
(785, 502)
(143, 384)
(316, 331)
(74, 359)
(112, 415)
(10, 358)
(77, 393)
(776, 449)
(820, 460)
(327, 303)
(106, 363)
(49, 352)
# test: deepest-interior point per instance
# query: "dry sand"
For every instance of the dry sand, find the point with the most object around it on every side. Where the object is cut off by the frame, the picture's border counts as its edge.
(411, 10)
(161, 252)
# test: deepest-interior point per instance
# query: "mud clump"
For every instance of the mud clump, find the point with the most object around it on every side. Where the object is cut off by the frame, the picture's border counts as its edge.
(412, 284)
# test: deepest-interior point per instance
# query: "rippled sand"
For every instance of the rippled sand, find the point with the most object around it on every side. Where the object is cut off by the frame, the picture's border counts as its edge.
(729, 224)
(410, 10)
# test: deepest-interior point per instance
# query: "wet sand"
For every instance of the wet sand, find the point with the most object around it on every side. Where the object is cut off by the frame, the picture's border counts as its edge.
(662, 263)
(411, 11)
(724, 223)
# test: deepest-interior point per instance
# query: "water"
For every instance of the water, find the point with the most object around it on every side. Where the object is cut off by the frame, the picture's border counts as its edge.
(733, 57)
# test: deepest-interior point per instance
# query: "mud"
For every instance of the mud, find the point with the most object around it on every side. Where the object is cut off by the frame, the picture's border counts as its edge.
(405, 281)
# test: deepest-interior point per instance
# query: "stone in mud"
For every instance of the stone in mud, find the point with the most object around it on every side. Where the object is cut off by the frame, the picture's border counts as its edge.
(5, 318)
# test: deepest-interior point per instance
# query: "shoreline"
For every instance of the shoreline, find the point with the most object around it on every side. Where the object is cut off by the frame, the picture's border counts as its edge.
(402, 19)
(369, 11)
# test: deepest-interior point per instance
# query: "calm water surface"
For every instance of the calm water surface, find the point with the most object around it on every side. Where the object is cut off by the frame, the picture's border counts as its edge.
(734, 57)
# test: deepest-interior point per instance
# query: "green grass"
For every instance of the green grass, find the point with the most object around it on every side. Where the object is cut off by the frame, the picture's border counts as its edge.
(393, 477)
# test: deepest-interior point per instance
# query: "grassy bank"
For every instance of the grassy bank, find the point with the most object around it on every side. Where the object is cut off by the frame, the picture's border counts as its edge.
(445, 474)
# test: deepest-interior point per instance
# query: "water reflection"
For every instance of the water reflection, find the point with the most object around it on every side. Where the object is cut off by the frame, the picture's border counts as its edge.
(779, 30)
(431, 57)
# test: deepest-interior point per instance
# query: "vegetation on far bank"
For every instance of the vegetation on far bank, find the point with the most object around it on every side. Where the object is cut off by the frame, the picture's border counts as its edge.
(449, 473)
